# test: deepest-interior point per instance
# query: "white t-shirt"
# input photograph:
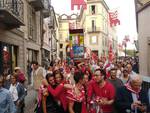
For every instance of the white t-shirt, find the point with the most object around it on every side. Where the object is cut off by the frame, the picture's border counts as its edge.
(14, 92)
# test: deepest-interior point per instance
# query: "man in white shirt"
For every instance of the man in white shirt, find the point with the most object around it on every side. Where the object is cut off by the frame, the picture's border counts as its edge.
(38, 74)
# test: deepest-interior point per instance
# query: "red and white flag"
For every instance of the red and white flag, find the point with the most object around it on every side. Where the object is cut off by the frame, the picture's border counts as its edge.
(111, 53)
(113, 18)
(78, 3)
(127, 38)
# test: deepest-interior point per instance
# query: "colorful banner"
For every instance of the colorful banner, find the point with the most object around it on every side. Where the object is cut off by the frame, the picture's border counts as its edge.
(81, 40)
(78, 51)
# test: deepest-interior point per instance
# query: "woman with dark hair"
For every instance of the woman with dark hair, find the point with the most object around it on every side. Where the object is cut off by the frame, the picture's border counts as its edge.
(59, 93)
(76, 96)
(88, 72)
(47, 103)
(17, 91)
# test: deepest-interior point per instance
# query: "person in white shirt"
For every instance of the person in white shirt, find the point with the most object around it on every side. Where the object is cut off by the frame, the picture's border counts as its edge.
(17, 91)
(130, 71)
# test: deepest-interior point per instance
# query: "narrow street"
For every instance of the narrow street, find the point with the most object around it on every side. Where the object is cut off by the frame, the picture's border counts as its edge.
(82, 56)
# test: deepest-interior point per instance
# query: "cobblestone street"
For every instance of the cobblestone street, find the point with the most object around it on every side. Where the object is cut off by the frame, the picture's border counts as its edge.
(29, 101)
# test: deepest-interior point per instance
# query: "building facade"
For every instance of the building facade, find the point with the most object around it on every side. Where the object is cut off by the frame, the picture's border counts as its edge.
(143, 16)
(65, 23)
(97, 30)
(21, 31)
(50, 49)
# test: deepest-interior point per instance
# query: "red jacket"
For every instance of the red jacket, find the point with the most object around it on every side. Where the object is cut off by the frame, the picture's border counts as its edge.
(60, 93)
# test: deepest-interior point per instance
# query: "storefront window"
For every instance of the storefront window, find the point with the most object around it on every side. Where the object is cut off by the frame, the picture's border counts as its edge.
(8, 58)
(32, 55)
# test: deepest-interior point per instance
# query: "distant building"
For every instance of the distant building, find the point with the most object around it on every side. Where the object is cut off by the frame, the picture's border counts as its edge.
(97, 31)
(65, 23)
(50, 50)
(95, 23)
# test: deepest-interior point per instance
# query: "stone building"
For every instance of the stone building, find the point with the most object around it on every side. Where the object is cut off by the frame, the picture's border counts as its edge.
(50, 49)
(97, 30)
(95, 23)
(66, 22)
(21, 32)
(143, 15)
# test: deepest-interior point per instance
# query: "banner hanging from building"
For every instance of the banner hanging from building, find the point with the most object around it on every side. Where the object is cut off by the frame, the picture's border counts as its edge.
(76, 40)
(78, 3)
(113, 18)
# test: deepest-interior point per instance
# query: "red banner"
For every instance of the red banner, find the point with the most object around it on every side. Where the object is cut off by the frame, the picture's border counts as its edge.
(113, 18)
(78, 3)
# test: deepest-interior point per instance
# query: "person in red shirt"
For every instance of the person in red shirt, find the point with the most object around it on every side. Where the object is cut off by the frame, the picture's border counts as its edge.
(76, 95)
(60, 91)
(104, 92)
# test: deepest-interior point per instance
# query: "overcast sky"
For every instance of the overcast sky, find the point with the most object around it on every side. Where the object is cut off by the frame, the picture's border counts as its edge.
(125, 9)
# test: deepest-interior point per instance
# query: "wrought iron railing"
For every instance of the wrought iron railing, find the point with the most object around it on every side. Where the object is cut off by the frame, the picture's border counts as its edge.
(13, 6)
(93, 29)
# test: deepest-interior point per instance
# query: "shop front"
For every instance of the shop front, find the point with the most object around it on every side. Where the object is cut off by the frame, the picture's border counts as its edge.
(8, 58)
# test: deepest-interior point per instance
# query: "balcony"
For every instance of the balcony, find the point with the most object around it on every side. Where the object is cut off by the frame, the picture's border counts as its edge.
(93, 30)
(11, 13)
(46, 13)
(46, 10)
(37, 4)
(51, 23)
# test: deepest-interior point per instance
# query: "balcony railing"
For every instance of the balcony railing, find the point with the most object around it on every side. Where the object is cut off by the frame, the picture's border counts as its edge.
(46, 10)
(93, 29)
(11, 12)
(37, 4)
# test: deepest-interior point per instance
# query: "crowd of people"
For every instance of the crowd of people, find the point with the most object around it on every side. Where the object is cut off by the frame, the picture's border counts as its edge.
(90, 86)
(87, 86)
(12, 92)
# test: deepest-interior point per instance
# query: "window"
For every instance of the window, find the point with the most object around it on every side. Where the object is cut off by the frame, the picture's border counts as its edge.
(61, 46)
(32, 55)
(103, 41)
(60, 25)
(93, 25)
(61, 54)
(94, 40)
(32, 24)
(92, 9)
(8, 58)
(60, 36)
